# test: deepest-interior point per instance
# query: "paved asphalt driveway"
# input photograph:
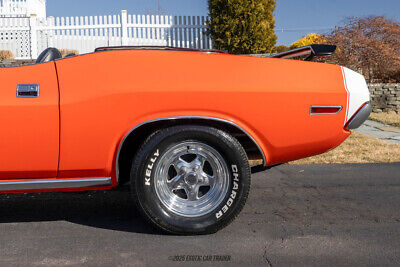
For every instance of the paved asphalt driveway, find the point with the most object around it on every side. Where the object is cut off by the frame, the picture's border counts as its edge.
(296, 215)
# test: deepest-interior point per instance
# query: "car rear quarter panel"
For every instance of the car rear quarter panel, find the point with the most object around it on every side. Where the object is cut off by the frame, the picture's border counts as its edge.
(104, 95)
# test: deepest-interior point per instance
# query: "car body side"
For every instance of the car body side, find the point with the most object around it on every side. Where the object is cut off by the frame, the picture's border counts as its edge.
(103, 96)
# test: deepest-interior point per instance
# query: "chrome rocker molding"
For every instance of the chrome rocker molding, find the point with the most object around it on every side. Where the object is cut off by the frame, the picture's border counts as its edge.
(54, 184)
(182, 118)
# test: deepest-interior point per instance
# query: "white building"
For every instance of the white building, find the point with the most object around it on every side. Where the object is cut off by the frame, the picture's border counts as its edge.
(22, 8)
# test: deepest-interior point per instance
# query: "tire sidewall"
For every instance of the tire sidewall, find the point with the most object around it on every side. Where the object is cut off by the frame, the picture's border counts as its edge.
(238, 172)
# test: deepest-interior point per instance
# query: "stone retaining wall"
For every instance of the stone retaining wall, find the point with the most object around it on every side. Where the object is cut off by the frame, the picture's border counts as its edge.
(385, 97)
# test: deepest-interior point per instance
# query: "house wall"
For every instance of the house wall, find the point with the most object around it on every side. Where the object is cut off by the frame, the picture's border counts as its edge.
(13, 8)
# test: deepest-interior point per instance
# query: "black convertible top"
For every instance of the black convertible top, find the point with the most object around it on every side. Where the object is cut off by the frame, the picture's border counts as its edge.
(310, 51)
(168, 48)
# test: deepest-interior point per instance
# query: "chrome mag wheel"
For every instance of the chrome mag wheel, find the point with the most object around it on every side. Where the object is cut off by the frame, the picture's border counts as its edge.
(191, 179)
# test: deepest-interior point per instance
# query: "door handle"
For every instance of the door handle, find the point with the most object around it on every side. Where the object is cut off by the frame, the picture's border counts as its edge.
(27, 90)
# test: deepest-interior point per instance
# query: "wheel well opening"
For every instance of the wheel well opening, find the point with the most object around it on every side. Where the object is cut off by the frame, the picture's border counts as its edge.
(136, 138)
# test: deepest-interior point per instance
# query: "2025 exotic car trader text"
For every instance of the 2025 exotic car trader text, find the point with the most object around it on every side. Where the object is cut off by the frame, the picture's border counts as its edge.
(180, 125)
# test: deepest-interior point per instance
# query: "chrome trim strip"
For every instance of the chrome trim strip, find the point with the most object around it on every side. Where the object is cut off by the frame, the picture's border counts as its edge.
(182, 118)
(338, 107)
(54, 184)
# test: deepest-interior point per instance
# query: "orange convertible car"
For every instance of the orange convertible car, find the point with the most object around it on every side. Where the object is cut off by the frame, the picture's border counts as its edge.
(180, 125)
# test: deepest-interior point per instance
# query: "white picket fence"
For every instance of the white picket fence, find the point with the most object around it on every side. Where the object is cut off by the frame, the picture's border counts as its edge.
(27, 36)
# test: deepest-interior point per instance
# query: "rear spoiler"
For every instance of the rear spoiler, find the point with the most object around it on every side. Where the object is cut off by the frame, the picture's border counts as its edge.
(311, 51)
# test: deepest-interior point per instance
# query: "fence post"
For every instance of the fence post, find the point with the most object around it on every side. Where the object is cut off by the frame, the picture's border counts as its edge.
(50, 33)
(33, 36)
(124, 27)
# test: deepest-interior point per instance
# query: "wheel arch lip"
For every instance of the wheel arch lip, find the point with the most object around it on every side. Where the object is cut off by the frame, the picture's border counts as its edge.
(252, 136)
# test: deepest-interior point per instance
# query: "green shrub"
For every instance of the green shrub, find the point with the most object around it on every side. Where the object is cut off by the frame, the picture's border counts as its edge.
(243, 26)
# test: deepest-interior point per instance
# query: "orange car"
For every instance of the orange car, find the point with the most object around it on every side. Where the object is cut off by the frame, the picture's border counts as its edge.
(180, 125)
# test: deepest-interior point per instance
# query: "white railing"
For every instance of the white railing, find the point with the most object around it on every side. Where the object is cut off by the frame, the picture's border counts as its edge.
(15, 36)
(32, 35)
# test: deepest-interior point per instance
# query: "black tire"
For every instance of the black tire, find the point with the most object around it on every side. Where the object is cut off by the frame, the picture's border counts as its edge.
(144, 187)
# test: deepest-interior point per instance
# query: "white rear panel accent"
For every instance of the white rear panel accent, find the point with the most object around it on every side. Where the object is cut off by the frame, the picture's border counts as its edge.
(357, 90)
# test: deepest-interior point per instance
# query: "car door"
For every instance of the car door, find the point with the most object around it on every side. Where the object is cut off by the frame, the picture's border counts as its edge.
(29, 121)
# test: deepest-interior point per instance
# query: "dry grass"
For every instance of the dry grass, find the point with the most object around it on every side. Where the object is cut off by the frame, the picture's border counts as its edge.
(65, 52)
(358, 148)
(6, 54)
(386, 118)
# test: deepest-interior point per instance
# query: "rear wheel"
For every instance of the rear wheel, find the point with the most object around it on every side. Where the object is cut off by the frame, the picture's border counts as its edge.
(190, 179)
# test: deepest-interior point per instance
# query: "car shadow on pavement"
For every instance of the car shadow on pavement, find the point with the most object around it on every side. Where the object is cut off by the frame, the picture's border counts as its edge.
(113, 210)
